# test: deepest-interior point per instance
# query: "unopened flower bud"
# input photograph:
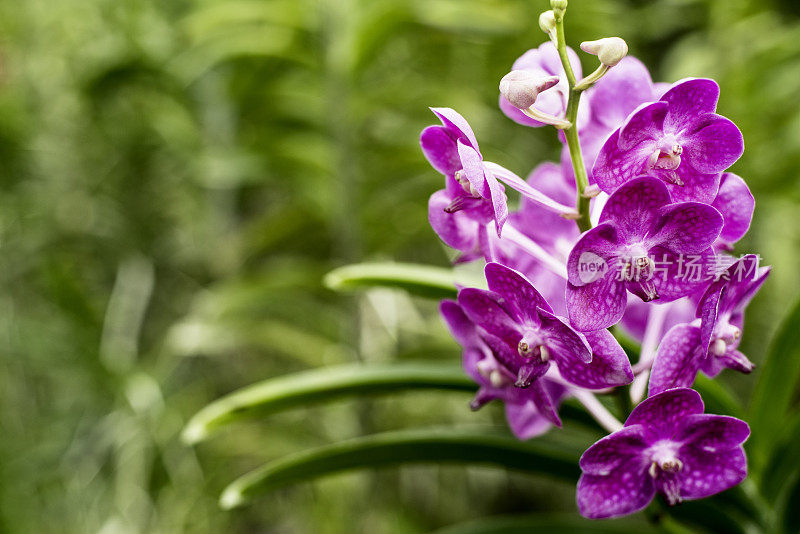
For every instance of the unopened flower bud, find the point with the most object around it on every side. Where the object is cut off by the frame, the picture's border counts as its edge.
(547, 22)
(609, 50)
(521, 87)
(559, 6)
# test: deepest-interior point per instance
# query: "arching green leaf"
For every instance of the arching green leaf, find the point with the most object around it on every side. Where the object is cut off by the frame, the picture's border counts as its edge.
(393, 448)
(421, 280)
(776, 385)
(324, 384)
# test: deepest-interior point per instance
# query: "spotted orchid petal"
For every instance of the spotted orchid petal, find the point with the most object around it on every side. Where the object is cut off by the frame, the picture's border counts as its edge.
(678, 359)
(736, 204)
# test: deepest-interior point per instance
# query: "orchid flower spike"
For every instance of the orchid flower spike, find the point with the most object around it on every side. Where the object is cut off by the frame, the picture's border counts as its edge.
(609, 50)
(521, 87)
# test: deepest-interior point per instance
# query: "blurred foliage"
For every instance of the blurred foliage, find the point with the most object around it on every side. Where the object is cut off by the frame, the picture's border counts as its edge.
(177, 176)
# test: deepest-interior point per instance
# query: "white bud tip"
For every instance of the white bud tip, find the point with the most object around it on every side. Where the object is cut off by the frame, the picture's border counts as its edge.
(609, 50)
(522, 87)
(547, 22)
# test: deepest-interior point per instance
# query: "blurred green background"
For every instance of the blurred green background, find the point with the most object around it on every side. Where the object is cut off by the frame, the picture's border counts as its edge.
(176, 178)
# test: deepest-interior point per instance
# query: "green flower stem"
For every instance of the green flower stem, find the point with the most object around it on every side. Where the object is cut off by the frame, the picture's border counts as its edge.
(592, 79)
(571, 132)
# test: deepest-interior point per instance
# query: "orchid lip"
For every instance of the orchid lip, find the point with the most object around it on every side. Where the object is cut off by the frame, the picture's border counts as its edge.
(730, 333)
(456, 205)
(667, 157)
(523, 382)
(524, 377)
(461, 202)
(481, 398)
(673, 178)
(646, 290)
(667, 466)
(638, 266)
(662, 469)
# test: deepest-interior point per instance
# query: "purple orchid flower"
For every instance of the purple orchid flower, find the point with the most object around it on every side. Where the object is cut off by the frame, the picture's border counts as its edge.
(678, 139)
(465, 232)
(711, 345)
(645, 244)
(531, 411)
(667, 446)
(472, 197)
(524, 335)
(544, 62)
(618, 93)
(469, 188)
(736, 204)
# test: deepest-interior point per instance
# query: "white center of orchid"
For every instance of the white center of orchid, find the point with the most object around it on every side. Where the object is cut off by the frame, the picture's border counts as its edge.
(637, 264)
(663, 458)
(532, 346)
(667, 157)
(725, 335)
(729, 333)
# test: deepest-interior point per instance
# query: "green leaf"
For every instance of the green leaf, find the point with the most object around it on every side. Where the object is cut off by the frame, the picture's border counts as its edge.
(393, 448)
(775, 387)
(566, 523)
(631, 347)
(324, 384)
(783, 464)
(780, 479)
(422, 280)
(716, 398)
(790, 519)
(469, 16)
(716, 514)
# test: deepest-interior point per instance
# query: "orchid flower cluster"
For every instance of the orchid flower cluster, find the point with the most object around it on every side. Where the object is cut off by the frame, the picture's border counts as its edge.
(632, 229)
